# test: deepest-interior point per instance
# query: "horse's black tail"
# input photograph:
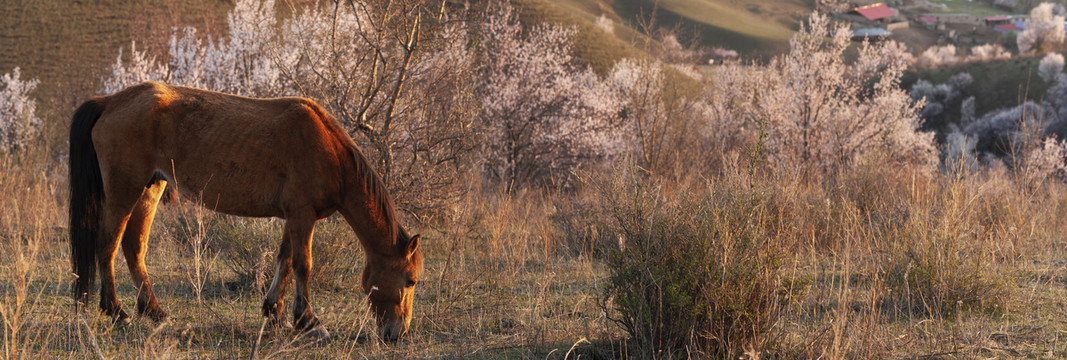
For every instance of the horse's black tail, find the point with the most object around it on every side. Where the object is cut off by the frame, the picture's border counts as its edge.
(86, 198)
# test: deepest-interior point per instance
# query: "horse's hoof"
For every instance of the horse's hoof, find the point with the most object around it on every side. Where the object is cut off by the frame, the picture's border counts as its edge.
(120, 318)
(157, 315)
(278, 324)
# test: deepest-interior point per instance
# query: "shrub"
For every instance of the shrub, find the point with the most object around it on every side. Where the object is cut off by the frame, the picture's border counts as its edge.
(1050, 67)
(698, 274)
(19, 123)
(941, 276)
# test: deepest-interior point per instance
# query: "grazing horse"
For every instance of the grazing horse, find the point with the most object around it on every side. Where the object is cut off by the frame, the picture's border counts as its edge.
(283, 158)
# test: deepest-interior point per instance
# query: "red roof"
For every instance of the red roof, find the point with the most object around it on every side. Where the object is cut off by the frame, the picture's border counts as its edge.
(997, 18)
(927, 19)
(1008, 27)
(876, 11)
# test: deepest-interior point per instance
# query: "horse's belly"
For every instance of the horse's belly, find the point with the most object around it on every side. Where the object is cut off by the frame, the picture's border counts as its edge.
(242, 195)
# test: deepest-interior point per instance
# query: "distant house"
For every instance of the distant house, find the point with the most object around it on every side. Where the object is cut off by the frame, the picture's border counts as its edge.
(927, 21)
(967, 19)
(875, 12)
(997, 20)
(871, 34)
(1007, 28)
(899, 25)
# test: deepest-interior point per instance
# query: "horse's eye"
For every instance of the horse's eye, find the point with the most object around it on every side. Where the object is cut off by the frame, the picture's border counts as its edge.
(411, 282)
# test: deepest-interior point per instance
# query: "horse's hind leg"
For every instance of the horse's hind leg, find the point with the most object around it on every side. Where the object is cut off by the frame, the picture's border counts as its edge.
(117, 208)
(134, 241)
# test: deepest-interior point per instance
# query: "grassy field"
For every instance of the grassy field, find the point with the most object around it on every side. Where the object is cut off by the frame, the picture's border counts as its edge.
(876, 261)
(494, 286)
(752, 27)
(519, 275)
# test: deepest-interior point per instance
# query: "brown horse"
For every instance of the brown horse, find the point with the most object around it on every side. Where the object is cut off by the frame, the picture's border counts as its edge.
(282, 158)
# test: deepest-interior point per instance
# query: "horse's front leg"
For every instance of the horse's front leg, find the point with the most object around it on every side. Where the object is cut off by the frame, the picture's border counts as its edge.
(299, 231)
(273, 304)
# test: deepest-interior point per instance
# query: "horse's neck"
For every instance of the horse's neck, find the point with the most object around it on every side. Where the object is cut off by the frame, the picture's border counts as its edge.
(370, 216)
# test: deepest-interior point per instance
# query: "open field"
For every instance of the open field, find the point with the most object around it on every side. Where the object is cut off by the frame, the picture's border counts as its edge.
(754, 28)
(877, 259)
(512, 276)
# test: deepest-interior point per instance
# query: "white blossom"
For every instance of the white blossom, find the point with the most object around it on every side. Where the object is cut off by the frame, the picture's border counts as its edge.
(19, 123)
(604, 23)
(1050, 67)
(818, 111)
(988, 52)
(936, 56)
(1047, 160)
(1044, 30)
(545, 115)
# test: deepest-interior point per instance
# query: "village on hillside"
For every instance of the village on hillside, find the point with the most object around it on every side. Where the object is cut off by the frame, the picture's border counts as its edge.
(923, 26)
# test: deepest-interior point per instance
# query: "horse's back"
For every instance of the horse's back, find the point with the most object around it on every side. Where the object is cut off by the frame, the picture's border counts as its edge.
(235, 154)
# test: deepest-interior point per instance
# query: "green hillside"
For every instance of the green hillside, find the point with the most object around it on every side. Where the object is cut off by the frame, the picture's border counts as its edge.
(593, 45)
(761, 27)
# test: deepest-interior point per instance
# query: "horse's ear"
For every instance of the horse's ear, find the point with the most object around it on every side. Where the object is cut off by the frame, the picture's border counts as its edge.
(413, 244)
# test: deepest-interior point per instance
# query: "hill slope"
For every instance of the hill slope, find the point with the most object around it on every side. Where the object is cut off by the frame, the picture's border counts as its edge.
(759, 27)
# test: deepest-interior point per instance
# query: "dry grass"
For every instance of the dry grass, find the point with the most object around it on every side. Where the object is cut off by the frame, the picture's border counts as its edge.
(880, 263)
(492, 287)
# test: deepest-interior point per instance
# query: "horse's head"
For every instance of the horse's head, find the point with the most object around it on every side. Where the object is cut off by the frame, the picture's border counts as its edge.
(390, 281)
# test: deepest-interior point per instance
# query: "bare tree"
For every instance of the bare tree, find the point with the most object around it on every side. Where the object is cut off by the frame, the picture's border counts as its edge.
(396, 74)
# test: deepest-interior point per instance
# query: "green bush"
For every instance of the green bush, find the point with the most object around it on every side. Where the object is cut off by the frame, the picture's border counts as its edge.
(700, 273)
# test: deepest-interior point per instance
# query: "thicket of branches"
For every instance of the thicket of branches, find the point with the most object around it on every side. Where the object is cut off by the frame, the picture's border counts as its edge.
(436, 92)
(398, 77)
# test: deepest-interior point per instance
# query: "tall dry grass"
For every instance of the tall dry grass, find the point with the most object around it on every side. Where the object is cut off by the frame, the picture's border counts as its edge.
(873, 262)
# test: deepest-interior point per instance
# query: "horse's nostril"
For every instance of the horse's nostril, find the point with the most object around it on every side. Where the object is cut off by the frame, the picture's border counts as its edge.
(389, 333)
(392, 332)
